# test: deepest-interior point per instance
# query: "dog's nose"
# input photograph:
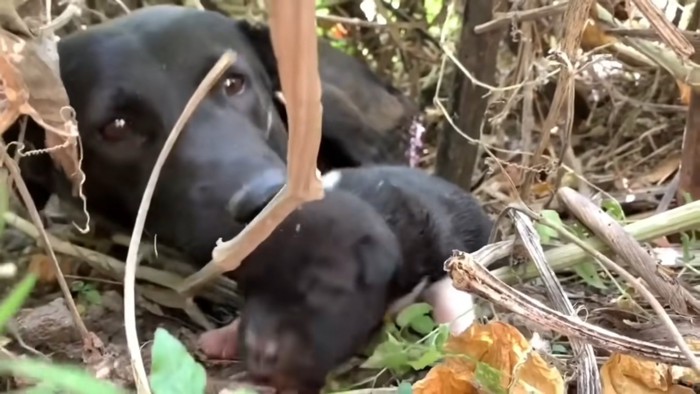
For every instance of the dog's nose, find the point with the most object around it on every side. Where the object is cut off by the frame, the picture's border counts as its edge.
(252, 198)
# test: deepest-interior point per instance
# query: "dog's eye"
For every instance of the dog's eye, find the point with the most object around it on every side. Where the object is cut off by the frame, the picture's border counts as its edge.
(116, 130)
(234, 85)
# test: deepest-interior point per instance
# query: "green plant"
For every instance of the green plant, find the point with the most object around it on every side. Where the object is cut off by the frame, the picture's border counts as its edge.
(401, 351)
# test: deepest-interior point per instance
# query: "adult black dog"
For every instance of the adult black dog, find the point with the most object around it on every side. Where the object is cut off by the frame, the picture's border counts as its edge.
(129, 79)
(315, 290)
(431, 217)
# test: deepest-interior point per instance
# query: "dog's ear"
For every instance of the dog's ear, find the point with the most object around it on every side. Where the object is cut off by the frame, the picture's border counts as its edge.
(258, 36)
(37, 170)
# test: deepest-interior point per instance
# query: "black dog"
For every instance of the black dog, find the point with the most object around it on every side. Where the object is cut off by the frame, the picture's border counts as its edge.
(315, 291)
(129, 79)
(431, 217)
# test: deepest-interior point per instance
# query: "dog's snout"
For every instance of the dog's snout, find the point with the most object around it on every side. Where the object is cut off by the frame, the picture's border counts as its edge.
(252, 198)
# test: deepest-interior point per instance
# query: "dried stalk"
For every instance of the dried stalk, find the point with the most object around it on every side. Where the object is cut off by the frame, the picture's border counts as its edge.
(575, 19)
(502, 20)
(468, 275)
(588, 375)
(138, 369)
(223, 292)
(293, 30)
(678, 219)
(624, 245)
(90, 345)
(669, 33)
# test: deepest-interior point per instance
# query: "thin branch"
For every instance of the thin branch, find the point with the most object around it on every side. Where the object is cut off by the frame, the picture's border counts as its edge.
(138, 369)
(503, 20)
(14, 170)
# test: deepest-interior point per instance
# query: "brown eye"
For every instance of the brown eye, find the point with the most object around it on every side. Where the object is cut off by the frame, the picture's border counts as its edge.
(116, 130)
(234, 85)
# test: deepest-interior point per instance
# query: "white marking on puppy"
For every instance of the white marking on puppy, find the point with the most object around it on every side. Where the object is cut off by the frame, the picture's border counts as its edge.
(331, 179)
(450, 305)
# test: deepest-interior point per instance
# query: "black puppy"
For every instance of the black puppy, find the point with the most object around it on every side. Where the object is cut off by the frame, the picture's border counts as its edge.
(314, 291)
(129, 79)
(431, 217)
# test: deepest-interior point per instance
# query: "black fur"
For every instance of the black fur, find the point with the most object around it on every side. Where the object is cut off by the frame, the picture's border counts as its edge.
(318, 286)
(142, 68)
(430, 216)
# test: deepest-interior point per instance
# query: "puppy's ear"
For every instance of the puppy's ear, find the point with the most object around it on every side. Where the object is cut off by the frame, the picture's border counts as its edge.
(36, 169)
(380, 259)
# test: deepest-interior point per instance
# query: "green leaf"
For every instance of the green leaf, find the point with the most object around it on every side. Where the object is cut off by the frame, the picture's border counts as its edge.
(388, 354)
(55, 377)
(405, 388)
(589, 273)
(559, 349)
(427, 359)
(489, 378)
(613, 208)
(411, 312)
(424, 325)
(441, 335)
(173, 370)
(14, 301)
(547, 233)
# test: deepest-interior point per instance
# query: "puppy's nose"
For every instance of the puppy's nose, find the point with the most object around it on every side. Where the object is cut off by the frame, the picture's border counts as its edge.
(252, 198)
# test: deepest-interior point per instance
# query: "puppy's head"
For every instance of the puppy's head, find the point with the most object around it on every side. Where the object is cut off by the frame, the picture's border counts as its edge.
(315, 291)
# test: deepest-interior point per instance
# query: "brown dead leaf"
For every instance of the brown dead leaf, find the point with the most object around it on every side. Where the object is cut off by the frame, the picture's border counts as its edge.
(661, 171)
(626, 374)
(31, 85)
(684, 92)
(542, 189)
(41, 266)
(502, 347)
(594, 37)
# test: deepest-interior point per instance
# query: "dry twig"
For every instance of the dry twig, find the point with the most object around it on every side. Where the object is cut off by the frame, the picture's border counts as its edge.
(92, 347)
(589, 376)
(224, 292)
(140, 376)
(502, 20)
(668, 32)
(575, 19)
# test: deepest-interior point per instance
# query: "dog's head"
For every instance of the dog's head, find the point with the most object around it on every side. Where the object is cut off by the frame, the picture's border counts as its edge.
(129, 81)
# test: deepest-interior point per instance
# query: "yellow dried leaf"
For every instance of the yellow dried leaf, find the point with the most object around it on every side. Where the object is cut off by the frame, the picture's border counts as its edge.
(684, 92)
(453, 376)
(593, 37)
(625, 374)
(500, 346)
